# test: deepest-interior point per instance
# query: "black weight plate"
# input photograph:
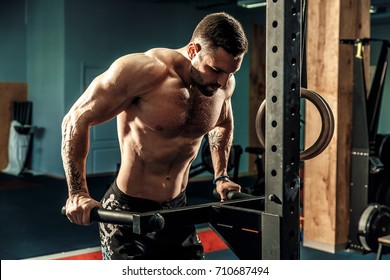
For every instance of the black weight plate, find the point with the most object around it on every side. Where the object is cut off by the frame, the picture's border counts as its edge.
(374, 222)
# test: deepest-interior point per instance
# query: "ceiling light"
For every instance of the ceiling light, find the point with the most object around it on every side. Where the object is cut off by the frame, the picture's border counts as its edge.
(249, 4)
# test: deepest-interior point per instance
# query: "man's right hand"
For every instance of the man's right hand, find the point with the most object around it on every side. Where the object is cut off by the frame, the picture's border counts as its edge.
(79, 206)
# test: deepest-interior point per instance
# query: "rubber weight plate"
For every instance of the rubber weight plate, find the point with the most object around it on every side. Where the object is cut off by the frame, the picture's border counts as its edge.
(374, 222)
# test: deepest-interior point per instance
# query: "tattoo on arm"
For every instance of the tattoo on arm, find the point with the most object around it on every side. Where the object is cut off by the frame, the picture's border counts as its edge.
(73, 174)
(215, 139)
(74, 177)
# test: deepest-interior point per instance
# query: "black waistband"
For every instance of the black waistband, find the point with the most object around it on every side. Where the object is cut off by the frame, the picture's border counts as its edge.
(180, 200)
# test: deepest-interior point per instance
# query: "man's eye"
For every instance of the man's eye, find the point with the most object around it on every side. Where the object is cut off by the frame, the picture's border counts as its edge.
(216, 70)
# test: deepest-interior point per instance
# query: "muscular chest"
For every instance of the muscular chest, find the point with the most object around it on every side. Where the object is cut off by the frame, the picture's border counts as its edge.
(181, 112)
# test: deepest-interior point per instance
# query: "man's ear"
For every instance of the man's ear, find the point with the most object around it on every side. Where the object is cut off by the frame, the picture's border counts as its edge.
(193, 49)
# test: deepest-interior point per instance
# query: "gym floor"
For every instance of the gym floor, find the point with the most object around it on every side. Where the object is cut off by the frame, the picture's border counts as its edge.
(32, 226)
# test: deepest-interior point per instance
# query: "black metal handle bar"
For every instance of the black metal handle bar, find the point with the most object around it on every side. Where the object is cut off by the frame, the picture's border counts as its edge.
(187, 215)
(156, 222)
(232, 195)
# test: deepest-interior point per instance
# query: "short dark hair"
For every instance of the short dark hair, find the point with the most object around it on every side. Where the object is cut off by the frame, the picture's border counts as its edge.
(222, 30)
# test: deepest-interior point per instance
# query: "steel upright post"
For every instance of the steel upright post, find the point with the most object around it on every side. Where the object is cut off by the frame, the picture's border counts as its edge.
(280, 221)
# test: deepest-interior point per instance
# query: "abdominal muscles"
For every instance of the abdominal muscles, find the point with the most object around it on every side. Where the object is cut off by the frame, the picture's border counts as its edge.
(155, 167)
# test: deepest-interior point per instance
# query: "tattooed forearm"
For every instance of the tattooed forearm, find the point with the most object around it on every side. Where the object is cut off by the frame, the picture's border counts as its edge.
(74, 176)
(215, 139)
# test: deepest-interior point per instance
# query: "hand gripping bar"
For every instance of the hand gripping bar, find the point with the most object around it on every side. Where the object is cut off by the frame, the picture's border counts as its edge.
(156, 222)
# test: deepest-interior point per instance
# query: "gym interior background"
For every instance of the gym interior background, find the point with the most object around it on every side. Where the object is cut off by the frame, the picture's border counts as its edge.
(54, 48)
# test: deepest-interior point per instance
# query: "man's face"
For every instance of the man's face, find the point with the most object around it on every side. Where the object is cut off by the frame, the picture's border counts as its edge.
(211, 70)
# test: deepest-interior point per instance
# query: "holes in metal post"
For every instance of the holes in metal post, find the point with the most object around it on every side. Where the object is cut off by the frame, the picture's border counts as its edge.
(293, 161)
(294, 11)
(293, 112)
(293, 36)
(293, 61)
(274, 98)
(292, 185)
(292, 136)
(293, 87)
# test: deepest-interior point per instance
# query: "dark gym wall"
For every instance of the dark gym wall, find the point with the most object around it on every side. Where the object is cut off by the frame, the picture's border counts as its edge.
(58, 46)
(46, 79)
(68, 42)
(13, 54)
(98, 33)
(382, 31)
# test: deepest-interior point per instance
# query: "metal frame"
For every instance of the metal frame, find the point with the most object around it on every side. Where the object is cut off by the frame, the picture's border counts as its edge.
(360, 149)
(283, 82)
(366, 167)
(238, 222)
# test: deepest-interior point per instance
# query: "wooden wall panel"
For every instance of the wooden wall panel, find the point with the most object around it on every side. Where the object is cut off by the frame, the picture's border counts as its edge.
(329, 68)
(9, 92)
(256, 86)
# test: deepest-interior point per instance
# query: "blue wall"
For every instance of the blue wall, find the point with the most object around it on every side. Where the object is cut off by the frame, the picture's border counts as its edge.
(13, 54)
(58, 46)
(45, 77)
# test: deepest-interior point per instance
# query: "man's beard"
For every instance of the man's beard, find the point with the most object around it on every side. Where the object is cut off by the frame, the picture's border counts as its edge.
(207, 89)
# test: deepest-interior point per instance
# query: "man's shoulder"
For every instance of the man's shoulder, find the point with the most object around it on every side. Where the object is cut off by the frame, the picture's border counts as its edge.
(155, 64)
(158, 58)
(157, 52)
(170, 61)
(164, 55)
(148, 62)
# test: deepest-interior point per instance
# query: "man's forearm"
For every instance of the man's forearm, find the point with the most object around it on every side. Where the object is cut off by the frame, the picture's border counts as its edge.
(220, 141)
(74, 151)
